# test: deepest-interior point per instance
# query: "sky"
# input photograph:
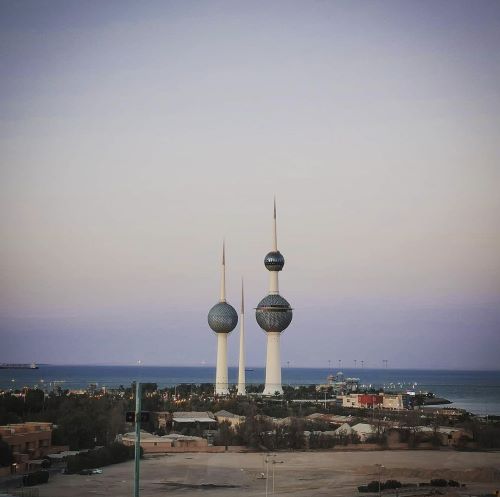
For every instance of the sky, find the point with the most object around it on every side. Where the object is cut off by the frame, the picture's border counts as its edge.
(135, 136)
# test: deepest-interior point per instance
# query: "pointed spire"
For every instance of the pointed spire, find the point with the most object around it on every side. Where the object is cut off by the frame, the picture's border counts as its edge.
(242, 298)
(223, 276)
(275, 236)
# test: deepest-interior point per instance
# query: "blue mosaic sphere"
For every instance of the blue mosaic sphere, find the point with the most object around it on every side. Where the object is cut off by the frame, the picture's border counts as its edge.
(274, 261)
(273, 313)
(222, 318)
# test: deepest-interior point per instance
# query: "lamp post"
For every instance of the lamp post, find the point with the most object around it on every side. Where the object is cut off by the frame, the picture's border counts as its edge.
(380, 468)
(137, 448)
(274, 464)
(268, 456)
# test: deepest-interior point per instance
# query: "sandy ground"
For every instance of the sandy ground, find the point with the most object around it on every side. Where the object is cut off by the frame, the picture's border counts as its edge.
(300, 474)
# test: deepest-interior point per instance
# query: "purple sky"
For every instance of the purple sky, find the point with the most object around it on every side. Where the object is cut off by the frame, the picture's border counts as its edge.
(134, 136)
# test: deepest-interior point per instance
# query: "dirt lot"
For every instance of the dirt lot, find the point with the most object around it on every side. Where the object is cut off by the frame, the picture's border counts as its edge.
(300, 474)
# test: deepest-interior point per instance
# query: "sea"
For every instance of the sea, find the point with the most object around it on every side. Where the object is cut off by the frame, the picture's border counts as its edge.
(476, 391)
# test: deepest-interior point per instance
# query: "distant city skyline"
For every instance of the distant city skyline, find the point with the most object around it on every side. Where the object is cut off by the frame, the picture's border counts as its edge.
(135, 137)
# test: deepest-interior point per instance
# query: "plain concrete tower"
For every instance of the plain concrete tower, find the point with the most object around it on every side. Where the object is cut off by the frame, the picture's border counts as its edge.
(222, 318)
(241, 370)
(273, 315)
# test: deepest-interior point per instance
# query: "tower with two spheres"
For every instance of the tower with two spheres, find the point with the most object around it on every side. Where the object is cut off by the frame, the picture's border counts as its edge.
(273, 315)
(222, 318)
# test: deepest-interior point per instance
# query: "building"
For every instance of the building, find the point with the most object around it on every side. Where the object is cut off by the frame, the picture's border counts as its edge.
(344, 430)
(362, 401)
(378, 401)
(222, 318)
(397, 401)
(273, 315)
(448, 436)
(364, 431)
(29, 442)
(204, 420)
(174, 442)
(233, 419)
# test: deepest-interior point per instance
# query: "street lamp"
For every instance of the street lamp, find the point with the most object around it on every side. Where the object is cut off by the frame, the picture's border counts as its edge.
(274, 464)
(268, 456)
(380, 468)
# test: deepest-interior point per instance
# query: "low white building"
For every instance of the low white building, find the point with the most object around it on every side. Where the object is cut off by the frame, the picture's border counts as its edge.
(393, 401)
(233, 419)
(364, 431)
(343, 430)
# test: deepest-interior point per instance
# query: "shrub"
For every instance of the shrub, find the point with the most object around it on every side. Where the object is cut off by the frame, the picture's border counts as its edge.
(36, 478)
(6, 457)
(453, 483)
(439, 482)
(112, 454)
(392, 484)
(373, 486)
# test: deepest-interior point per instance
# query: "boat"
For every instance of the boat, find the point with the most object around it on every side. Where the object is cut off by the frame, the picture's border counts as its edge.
(18, 366)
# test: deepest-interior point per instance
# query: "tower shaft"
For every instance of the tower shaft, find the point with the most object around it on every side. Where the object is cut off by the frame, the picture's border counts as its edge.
(241, 370)
(221, 386)
(273, 365)
(273, 283)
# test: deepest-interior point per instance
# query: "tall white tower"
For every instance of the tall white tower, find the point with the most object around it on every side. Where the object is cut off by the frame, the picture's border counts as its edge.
(273, 315)
(241, 370)
(222, 318)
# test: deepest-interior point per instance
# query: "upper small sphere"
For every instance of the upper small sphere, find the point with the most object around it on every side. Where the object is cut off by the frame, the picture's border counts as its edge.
(274, 261)
(222, 318)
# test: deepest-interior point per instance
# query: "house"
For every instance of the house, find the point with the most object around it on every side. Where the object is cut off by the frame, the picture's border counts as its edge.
(151, 444)
(449, 436)
(343, 430)
(364, 431)
(204, 420)
(233, 419)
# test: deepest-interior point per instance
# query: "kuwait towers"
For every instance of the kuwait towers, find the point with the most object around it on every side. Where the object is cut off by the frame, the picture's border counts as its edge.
(222, 318)
(273, 314)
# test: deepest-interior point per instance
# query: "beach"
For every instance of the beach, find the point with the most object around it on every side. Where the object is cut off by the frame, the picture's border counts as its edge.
(301, 474)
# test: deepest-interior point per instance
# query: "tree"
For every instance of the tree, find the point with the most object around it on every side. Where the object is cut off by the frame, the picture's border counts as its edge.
(296, 434)
(6, 457)
(225, 434)
(410, 425)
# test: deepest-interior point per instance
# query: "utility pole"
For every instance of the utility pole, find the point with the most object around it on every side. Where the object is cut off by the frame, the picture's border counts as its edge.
(137, 437)
(355, 363)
